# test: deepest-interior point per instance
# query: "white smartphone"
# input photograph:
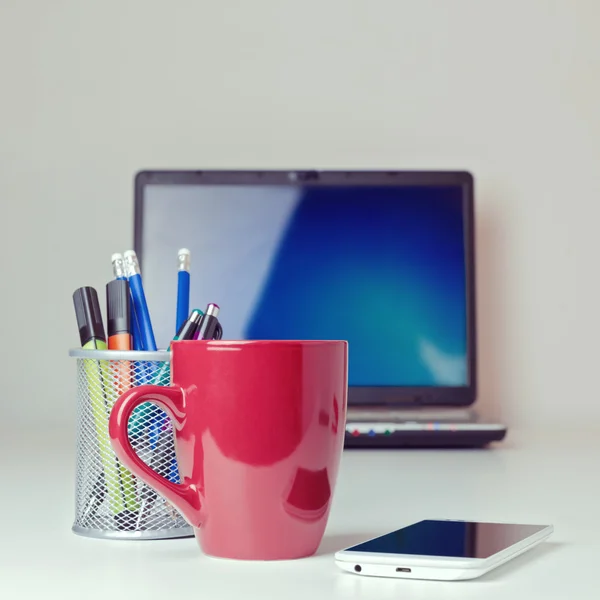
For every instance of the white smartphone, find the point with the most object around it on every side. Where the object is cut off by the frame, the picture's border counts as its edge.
(443, 550)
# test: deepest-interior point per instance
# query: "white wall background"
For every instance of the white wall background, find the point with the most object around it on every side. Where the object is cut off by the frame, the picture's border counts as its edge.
(90, 92)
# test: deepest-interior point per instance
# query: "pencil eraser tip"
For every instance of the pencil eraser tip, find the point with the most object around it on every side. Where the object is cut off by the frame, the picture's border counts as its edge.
(116, 256)
(183, 251)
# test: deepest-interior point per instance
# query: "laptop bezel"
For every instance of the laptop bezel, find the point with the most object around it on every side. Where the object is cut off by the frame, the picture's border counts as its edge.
(397, 396)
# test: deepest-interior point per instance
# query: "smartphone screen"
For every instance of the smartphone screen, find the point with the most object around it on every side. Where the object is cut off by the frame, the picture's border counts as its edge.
(461, 539)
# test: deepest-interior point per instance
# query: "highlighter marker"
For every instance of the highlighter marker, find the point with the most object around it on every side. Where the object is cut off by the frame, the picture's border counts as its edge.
(183, 288)
(119, 272)
(119, 482)
(119, 338)
(118, 314)
(210, 324)
(118, 311)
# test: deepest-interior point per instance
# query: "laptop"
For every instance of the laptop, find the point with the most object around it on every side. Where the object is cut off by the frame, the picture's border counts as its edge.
(385, 260)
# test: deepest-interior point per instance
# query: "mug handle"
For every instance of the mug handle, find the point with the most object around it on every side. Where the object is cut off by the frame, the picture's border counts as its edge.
(183, 496)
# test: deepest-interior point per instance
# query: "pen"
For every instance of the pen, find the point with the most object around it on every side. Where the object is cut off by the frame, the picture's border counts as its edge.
(144, 371)
(159, 461)
(160, 464)
(183, 288)
(119, 272)
(190, 326)
(140, 306)
(118, 266)
(146, 340)
(218, 332)
(209, 326)
(187, 331)
(117, 479)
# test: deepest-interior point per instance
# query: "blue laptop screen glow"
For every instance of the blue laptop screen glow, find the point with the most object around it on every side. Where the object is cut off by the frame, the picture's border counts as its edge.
(382, 267)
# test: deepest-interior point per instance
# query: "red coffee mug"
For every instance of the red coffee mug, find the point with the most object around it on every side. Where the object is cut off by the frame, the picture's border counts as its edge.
(259, 432)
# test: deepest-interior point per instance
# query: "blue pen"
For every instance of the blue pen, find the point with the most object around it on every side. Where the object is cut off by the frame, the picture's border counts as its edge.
(183, 288)
(132, 270)
(119, 272)
(118, 266)
(145, 370)
(135, 330)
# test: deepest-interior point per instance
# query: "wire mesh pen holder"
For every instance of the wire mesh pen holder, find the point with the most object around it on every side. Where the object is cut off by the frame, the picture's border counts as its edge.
(110, 502)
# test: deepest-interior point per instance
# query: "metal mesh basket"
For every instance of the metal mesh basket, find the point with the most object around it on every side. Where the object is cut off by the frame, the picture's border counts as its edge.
(110, 502)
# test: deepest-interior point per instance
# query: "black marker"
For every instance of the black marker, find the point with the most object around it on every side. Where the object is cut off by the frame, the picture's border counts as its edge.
(209, 326)
(89, 319)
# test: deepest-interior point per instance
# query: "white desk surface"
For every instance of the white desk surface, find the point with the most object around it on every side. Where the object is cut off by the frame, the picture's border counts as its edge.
(551, 479)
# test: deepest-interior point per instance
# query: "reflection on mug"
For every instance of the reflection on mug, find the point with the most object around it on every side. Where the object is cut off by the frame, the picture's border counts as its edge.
(336, 415)
(324, 418)
(308, 495)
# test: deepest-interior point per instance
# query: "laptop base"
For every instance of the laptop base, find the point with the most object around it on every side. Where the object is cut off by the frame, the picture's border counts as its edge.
(369, 427)
(426, 439)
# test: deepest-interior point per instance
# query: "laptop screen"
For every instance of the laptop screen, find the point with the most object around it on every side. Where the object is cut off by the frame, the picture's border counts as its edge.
(381, 266)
